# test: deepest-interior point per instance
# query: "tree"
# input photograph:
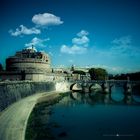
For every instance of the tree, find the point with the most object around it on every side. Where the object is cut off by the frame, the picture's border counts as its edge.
(92, 73)
(1, 67)
(133, 76)
(97, 73)
(79, 72)
(65, 72)
(110, 76)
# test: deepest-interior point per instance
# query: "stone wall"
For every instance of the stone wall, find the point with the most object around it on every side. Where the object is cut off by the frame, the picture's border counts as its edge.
(11, 92)
(31, 75)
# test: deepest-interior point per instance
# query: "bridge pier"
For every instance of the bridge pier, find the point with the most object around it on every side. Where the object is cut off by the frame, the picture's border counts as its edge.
(127, 88)
(110, 87)
(85, 88)
(127, 93)
(105, 87)
(128, 99)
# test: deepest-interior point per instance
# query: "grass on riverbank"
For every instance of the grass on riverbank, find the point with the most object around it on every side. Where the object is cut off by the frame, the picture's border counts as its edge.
(37, 128)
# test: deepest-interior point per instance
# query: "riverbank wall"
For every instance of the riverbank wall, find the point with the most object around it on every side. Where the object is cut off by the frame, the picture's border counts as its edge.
(11, 92)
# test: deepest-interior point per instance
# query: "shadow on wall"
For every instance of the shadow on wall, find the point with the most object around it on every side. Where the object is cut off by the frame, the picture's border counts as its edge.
(11, 92)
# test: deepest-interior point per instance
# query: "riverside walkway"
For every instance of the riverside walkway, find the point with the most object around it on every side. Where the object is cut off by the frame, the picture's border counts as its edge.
(13, 120)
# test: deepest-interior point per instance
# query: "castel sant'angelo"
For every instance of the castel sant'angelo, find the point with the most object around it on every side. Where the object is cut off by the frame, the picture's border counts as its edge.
(28, 64)
(28, 59)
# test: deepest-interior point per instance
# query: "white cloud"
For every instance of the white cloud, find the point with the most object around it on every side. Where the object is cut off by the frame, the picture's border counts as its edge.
(22, 30)
(37, 42)
(79, 44)
(46, 19)
(82, 33)
(81, 41)
(122, 45)
(73, 49)
(125, 40)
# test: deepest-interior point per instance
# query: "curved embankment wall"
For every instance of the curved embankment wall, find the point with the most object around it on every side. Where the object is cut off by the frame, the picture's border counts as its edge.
(11, 92)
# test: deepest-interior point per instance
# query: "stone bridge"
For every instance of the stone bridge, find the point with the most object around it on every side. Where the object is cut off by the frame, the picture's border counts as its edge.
(103, 85)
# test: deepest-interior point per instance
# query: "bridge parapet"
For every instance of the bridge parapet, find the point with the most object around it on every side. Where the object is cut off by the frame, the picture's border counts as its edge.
(103, 81)
(105, 84)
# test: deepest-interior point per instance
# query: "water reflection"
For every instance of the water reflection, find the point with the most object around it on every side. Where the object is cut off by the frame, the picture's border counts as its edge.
(116, 95)
(97, 115)
(136, 93)
(136, 98)
(84, 116)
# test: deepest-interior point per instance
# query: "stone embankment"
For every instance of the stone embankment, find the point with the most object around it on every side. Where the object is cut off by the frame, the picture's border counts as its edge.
(11, 92)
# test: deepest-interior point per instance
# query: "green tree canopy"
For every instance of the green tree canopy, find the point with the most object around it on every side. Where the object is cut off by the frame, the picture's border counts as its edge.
(133, 76)
(97, 73)
(1, 67)
(79, 72)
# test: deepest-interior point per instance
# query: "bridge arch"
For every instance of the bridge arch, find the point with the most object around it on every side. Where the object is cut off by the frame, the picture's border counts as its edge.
(136, 93)
(76, 87)
(95, 87)
(71, 86)
(136, 89)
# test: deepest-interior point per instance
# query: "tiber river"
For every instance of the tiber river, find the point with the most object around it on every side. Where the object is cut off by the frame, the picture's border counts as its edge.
(97, 116)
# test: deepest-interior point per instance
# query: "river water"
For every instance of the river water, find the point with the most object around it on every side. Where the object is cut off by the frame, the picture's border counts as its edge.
(95, 116)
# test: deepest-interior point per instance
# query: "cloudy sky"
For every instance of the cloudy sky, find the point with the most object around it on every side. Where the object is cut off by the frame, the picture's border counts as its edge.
(97, 33)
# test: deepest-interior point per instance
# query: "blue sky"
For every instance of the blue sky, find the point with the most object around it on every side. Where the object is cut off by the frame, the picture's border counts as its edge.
(91, 33)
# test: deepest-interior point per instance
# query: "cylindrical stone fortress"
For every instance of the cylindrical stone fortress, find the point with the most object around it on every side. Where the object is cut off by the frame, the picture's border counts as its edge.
(28, 60)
